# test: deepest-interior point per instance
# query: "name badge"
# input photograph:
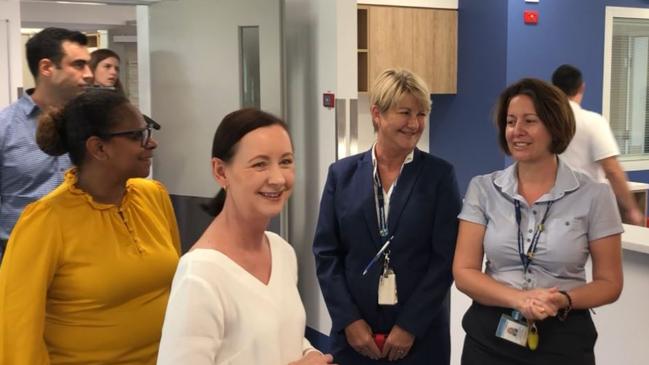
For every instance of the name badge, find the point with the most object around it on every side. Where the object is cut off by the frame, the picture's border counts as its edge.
(388, 288)
(513, 331)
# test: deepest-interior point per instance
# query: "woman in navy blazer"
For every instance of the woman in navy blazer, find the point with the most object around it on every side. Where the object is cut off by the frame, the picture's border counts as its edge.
(417, 196)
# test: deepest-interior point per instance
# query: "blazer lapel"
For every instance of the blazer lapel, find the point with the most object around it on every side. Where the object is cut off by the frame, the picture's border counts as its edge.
(401, 194)
(365, 195)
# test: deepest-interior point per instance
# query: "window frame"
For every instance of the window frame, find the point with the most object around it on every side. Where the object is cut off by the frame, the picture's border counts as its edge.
(627, 162)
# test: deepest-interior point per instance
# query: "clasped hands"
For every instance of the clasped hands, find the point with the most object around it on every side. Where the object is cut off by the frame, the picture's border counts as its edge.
(541, 303)
(397, 344)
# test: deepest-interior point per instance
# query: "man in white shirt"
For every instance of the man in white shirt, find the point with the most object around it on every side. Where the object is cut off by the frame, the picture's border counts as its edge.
(593, 150)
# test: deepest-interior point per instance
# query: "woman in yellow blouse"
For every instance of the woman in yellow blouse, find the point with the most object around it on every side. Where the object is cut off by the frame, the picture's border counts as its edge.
(87, 272)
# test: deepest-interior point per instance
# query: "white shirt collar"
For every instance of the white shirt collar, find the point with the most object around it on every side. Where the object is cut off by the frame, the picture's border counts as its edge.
(408, 159)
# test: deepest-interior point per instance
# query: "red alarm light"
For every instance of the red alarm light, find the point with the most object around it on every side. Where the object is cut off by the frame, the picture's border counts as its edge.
(531, 17)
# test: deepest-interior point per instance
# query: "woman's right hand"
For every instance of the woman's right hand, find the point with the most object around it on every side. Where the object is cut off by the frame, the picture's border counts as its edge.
(314, 358)
(360, 338)
(537, 304)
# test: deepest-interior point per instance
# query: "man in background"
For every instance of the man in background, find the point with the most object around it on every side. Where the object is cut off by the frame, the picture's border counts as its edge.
(593, 150)
(58, 60)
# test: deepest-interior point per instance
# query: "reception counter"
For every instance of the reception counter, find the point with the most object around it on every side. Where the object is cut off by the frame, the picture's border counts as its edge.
(622, 325)
(636, 239)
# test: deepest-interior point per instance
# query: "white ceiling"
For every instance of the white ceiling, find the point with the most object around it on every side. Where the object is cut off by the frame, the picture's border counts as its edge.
(76, 15)
(109, 2)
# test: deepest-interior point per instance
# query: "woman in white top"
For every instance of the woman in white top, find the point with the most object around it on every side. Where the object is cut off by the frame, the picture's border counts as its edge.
(234, 298)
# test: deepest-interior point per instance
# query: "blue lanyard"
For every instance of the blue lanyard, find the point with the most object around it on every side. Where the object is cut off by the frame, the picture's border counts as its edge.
(378, 188)
(383, 224)
(526, 258)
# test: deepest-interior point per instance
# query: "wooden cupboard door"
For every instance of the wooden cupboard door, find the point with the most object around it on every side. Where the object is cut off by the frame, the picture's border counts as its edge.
(435, 49)
(390, 39)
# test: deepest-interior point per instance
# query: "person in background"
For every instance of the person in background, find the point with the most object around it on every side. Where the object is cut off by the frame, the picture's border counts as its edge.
(593, 149)
(88, 267)
(104, 64)
(234, 298)
(58, 60)
(385, 237)
(536, 222)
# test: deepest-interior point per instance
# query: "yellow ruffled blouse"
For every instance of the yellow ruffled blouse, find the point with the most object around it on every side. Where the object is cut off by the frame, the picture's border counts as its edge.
(88, 283)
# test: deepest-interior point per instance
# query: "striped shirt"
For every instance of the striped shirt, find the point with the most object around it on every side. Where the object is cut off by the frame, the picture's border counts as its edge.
(26, 172)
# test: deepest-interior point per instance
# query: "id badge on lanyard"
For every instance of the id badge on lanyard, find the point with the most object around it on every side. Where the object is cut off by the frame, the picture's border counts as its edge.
(514, 328)
(387, 288)
(387, 283)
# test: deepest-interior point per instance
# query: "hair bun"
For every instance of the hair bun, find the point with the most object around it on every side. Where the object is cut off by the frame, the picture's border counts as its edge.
(50, 135)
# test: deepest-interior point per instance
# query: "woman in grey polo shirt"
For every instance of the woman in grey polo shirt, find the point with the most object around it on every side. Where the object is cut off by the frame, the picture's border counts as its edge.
(536, 222)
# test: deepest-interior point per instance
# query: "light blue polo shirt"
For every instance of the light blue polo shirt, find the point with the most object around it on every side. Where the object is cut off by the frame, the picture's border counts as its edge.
(582, 211)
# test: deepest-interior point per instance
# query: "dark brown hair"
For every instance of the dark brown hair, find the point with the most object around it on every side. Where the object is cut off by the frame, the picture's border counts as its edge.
(232, 129)
(567, 78)
(48, 43)
(93, 113)
(552, 108)
(100, 55)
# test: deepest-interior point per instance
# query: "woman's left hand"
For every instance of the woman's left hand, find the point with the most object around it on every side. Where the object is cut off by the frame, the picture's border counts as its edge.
(397, 344)
(314, 358)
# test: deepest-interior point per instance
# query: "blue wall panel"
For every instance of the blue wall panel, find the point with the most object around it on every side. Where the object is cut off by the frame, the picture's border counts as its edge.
(639, 176)
(495, 48)
(568, 32)
(461, 130)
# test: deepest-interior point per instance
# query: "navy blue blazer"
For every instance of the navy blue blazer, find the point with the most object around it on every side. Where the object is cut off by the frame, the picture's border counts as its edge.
(423, 219)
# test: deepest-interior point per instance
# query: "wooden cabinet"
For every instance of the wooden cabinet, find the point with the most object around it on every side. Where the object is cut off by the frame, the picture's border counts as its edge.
(421, 40)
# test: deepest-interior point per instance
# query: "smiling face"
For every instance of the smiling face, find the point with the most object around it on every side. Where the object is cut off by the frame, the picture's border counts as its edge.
(259, 178)
(400, 128)
(527, 137)
(107, 72)
(127, 156)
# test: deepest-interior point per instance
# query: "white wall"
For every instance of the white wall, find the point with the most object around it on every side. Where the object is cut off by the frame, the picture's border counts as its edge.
(194, 50)
(310, 56)
(75, 16)
(10, 52)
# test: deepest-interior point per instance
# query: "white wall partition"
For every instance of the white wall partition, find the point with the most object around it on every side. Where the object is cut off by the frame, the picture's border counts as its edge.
(10, 51)
(74, 16)
(194, 50)
(320, 56)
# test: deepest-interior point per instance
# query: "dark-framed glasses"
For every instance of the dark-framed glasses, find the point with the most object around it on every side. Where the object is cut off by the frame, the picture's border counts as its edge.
(141, 134)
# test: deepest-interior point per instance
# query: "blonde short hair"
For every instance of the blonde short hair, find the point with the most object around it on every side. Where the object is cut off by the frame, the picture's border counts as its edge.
(391, 86)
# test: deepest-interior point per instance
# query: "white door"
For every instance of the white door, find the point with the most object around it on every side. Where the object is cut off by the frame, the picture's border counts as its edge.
(196, 78)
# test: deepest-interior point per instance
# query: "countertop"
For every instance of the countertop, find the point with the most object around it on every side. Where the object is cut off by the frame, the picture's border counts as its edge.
(635, 238)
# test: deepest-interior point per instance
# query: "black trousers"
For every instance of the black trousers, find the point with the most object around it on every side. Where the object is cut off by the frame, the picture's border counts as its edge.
(560, 342)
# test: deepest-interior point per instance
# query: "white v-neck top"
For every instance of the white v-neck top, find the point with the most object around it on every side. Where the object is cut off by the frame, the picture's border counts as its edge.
(219, 313)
